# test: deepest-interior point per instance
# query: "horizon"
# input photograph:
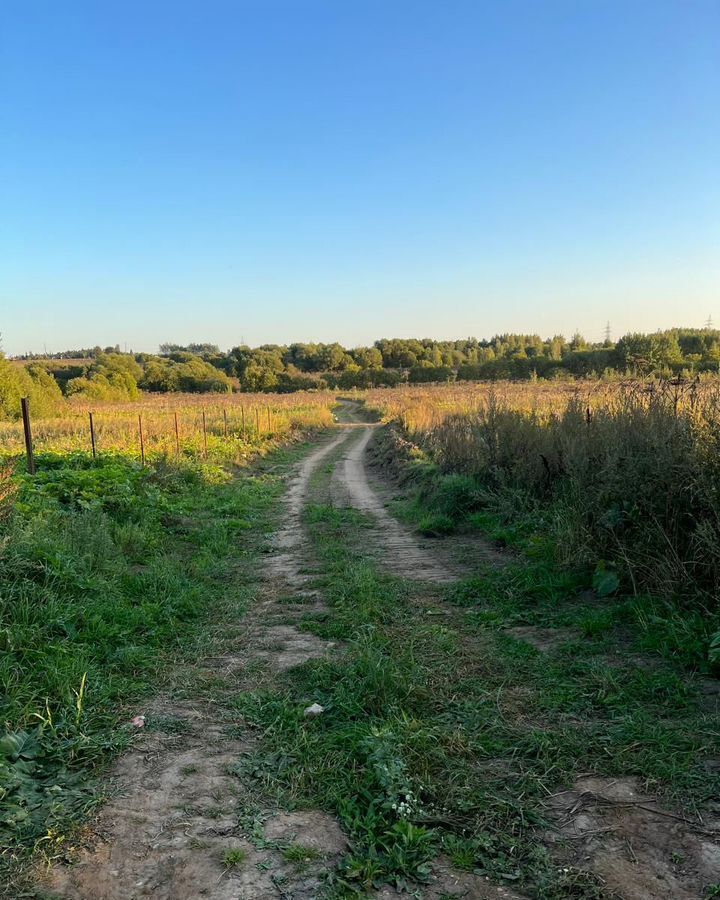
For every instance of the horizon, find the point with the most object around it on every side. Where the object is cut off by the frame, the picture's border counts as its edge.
(224, 349)
(312, 173)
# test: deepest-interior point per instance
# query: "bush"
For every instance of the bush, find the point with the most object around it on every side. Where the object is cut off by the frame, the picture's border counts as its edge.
(34, 382)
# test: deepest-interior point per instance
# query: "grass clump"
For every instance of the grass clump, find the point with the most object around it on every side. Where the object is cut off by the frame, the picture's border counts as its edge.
(436, 525)
(234, 858)
(300, 854)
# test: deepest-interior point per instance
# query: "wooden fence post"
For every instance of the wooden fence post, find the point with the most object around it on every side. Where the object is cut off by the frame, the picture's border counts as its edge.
(268, 418)
(225, 420)
(244, 433)
(257, 420)
(25, 407)
(177, 436)
(142, 441)
(92, 436)
(204, 433)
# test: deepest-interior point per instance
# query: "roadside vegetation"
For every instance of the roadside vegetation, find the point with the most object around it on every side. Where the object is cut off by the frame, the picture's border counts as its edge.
(110, 572)
(620, 488)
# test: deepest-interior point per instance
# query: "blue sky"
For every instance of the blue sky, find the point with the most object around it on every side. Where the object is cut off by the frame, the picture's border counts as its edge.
(343, 170)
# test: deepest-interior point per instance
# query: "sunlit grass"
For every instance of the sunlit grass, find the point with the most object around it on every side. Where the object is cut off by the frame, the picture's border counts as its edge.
(225, 427)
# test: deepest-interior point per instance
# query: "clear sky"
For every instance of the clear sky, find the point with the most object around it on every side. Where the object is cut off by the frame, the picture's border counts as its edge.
(280, 170)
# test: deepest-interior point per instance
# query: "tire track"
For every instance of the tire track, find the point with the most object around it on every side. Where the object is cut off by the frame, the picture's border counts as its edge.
(400, 551)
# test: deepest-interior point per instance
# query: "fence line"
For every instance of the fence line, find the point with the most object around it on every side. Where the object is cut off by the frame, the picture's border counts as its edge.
(25, 409)
(158, 431)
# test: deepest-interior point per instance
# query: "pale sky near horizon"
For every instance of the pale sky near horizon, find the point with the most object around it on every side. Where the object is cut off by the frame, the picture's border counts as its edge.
(297, 170)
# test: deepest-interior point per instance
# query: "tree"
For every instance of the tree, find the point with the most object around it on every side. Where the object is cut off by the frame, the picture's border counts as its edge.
(645, 353)
(367, 357)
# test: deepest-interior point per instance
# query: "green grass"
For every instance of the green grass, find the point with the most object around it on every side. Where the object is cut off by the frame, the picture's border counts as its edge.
(234, 858)
(299, 854)
(445, 736)
(109, 573)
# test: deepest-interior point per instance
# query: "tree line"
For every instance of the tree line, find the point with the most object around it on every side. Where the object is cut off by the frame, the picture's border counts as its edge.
(111, 375)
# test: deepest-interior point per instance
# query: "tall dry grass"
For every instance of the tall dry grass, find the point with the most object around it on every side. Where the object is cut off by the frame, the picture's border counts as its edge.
(233, 423)
(627, 473)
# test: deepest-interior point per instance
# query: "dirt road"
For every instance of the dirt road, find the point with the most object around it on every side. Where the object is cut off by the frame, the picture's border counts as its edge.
(184, 820)
(397, 548)
(172, 819)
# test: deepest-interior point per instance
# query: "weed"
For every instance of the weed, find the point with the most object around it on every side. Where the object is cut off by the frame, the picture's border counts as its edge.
(234, 858)
(436, 525)
(300, 854)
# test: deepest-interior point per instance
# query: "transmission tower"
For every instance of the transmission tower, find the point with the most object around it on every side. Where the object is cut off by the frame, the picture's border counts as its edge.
(608, 333)
(709, 322)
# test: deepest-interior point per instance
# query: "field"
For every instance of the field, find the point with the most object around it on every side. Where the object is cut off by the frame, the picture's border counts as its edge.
(233, 426)
(502, 599)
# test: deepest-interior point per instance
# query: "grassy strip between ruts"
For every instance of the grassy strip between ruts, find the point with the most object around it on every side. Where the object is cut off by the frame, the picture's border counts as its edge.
(109, 573)
(442, 735)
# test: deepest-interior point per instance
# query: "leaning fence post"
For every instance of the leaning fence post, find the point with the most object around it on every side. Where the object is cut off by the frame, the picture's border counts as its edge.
(142, 441)
(25, 407)
(177, 436)
(92, 436)
(225, 420)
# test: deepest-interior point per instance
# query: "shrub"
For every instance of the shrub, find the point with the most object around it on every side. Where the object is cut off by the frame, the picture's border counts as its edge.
(35, 382)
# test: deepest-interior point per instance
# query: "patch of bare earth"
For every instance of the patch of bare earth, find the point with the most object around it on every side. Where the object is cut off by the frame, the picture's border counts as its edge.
(173, 828)
(638, 849)
(174, 822)
(709, 690)
(447, 881)
(543, 639)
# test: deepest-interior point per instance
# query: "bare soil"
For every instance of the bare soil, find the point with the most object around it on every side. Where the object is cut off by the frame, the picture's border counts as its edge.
(640, 850)
(542, 639)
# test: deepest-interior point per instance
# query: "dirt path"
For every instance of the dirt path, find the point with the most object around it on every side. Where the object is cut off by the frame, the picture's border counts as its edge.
(181, 822)
(172, 828)
(288, 564)
(401, 551)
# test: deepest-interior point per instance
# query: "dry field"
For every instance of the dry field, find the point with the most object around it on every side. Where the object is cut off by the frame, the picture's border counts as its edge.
(233, 424)
(421, 408)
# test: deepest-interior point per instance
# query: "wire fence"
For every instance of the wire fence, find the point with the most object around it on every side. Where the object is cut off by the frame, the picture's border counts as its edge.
(162, 429)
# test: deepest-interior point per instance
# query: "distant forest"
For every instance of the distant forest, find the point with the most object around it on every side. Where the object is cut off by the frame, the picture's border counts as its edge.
(109, 374)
